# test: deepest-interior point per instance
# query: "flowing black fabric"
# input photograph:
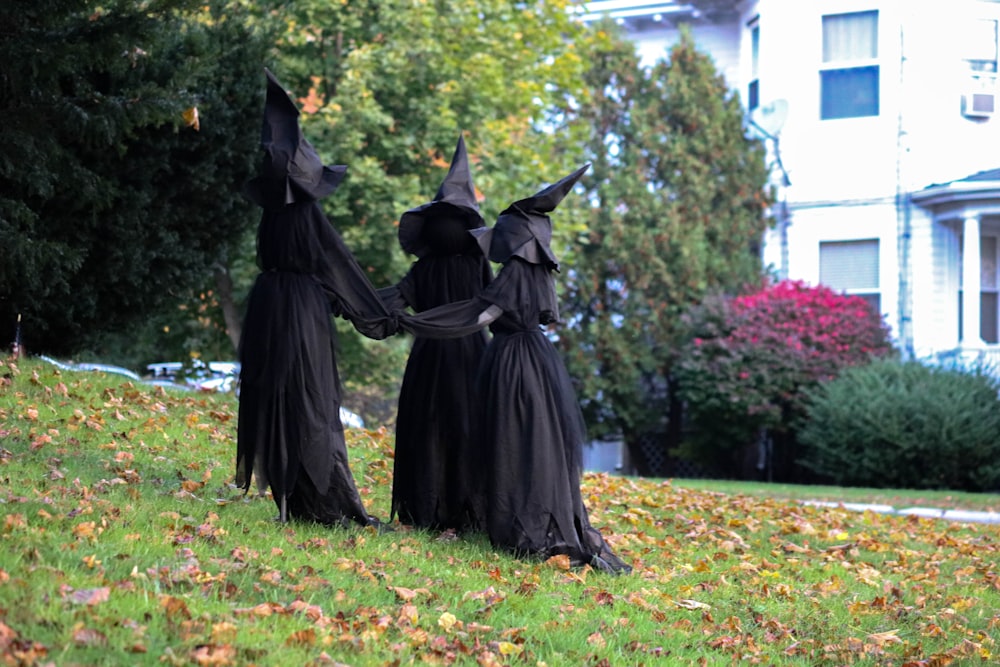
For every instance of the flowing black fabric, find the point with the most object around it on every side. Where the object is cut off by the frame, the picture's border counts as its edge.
(529, 428)
(289, 434)
(434, 463)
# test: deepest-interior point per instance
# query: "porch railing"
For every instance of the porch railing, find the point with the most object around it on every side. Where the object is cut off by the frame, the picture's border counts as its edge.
(987, 358)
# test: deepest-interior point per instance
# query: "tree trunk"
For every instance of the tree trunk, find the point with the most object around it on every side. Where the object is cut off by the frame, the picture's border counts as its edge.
(224, 291)
(675, 415)
(636, 456)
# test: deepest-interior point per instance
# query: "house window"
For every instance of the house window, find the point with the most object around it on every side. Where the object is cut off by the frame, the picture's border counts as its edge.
(852, 267)
(981, 46)
(988, 316)
(989, 292)
(753, 89)
(849, 77)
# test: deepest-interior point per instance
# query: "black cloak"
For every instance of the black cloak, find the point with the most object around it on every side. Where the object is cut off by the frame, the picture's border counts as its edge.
(433, 474)
(529, 428)
(289, 434)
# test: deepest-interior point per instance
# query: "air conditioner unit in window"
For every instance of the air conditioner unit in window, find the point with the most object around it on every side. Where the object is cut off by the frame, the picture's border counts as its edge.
(979, 104)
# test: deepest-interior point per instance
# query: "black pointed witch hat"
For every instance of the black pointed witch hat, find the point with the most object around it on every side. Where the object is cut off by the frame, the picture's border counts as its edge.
(524, 228)
(455, 200)
(291, 170)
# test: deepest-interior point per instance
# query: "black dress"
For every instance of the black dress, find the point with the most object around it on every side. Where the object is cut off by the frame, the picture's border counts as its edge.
(289, 433)
(433, 471)
(530, 431)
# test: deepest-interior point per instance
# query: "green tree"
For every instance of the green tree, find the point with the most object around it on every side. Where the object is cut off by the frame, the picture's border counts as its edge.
(679, 199)
(113, 201)
(387, 85)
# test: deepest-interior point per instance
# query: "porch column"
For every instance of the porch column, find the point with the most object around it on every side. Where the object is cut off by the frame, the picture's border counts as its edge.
(971, 285)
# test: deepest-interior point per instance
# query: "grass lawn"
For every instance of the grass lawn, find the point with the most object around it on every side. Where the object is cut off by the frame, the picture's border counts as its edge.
(124, 542)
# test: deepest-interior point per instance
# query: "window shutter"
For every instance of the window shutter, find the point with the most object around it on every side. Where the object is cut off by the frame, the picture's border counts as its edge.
(849, 265)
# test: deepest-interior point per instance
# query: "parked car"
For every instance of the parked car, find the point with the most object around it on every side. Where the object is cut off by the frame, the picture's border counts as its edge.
(197, 374)
(85, 366)
(219, 376)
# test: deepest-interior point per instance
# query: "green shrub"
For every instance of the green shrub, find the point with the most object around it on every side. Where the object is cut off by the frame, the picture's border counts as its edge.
(905, 425)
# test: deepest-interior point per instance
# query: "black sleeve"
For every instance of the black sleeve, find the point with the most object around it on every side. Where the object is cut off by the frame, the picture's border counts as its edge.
(351, 294)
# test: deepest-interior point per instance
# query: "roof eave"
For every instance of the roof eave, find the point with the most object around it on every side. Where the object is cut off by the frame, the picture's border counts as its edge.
(957, 192)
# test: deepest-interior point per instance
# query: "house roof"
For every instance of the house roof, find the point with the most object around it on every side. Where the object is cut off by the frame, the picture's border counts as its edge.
(988, 175)
(978, 190)
(643, 12)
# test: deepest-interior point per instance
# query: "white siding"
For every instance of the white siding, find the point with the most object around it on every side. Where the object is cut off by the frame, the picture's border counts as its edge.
(721, 42)
(934, 275)
(811, 226)
(847, 174)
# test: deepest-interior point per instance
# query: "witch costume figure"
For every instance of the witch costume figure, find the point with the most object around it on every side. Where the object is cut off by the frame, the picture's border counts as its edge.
(530, 431)
(290, 435)
(432, 478)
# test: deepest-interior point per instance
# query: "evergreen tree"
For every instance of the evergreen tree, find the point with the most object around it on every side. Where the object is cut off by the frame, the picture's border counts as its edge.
(678, 194)
(113, 199)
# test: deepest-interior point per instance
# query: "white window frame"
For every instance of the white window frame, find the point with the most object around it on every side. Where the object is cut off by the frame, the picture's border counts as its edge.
(989, 284)
(871, 290)
(832, 65)
(982, 52)
(753, 88)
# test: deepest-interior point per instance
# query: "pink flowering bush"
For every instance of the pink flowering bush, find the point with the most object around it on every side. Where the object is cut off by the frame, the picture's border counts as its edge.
(749, 359)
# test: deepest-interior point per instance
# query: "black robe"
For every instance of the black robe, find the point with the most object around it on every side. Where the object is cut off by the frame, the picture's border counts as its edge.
(530, 431)
(290, 434)
(433, 473)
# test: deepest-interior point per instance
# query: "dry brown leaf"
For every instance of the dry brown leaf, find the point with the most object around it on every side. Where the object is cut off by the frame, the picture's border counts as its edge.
(887, 637)
(175, 608)
(408, 615)
(213, 655)
(405, 594)
(560, 562)
(90, 596)
(83, 636)
(7, 636)
(191, 486)
(14, 522)
(224, 631)
(305, 637)
(191, 118)
(691, 604)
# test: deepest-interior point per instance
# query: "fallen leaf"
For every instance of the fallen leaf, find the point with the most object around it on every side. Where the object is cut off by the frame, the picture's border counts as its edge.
(83, 636)
(305, 637)
(691, 604)
(7, 636)
(560, 562)
(887, 637)
(90, 596)
(447, 621)
(212, 655)
(508, 648)
(175, 608)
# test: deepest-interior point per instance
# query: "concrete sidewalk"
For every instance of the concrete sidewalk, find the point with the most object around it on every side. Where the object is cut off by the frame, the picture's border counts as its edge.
(601, 456)
(965, 516)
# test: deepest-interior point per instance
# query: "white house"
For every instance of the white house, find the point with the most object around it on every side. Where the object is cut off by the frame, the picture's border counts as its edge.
(881, 113)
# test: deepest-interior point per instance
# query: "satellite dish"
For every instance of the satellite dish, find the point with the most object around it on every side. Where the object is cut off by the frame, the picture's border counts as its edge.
(770, 118)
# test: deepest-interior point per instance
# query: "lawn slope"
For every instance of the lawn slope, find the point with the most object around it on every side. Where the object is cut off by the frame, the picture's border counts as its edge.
(124, 542)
